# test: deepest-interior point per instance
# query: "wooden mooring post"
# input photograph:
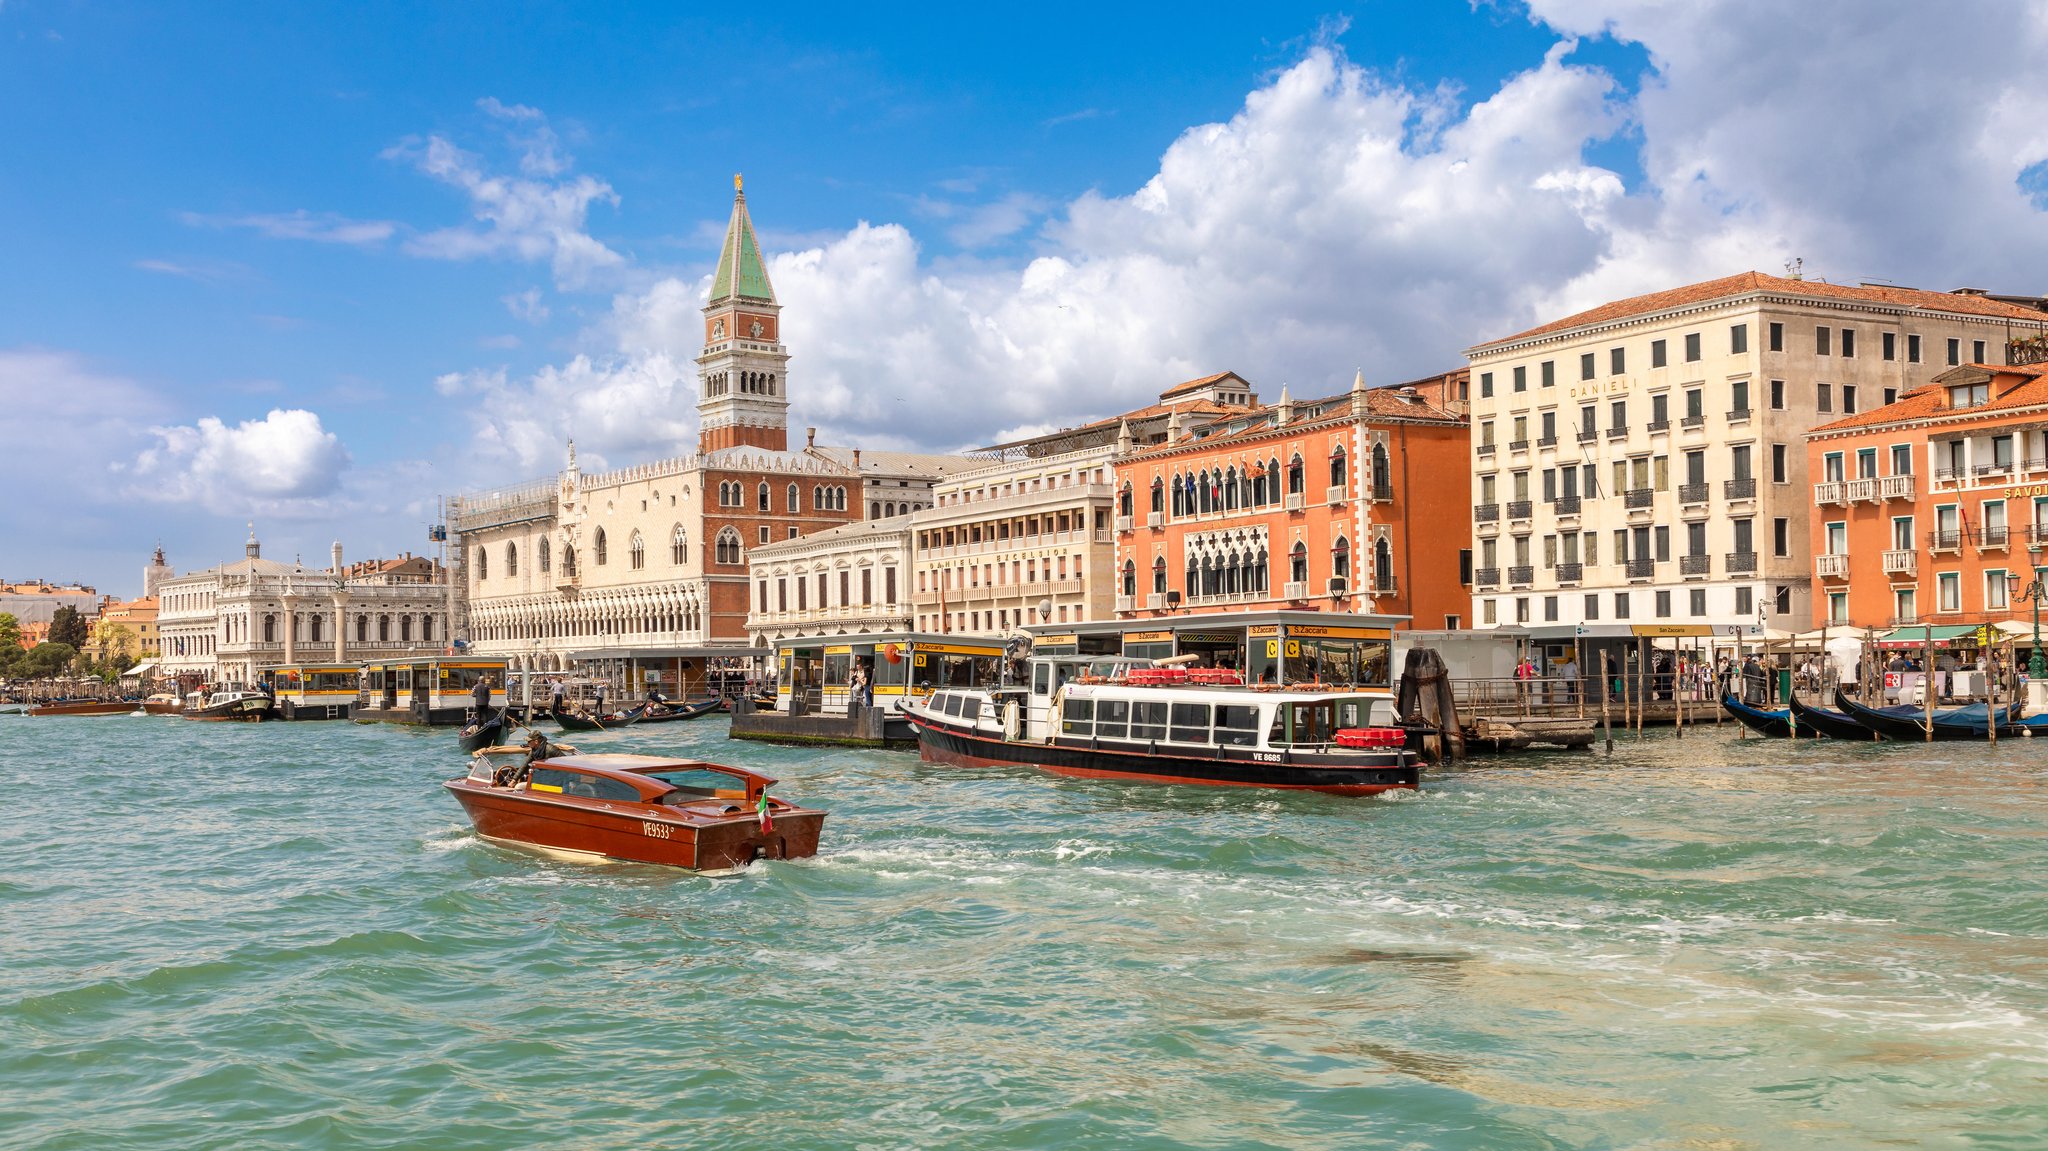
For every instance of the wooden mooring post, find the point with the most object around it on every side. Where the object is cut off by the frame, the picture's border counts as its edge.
(1606, 721)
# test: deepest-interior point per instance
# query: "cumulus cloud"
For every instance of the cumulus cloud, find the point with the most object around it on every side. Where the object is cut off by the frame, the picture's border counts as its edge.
(534, 216)
(619, 409)
(1341, 219)
(284, 463)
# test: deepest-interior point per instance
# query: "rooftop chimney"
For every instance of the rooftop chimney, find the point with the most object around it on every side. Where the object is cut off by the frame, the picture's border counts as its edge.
(810, 437)
(337, 557)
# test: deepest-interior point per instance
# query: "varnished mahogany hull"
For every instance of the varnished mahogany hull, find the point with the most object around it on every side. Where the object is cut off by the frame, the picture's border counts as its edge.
(87, 707)
(588, 828)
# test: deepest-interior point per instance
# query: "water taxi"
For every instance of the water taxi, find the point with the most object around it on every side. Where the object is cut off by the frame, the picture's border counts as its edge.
(1123, 718)
(704, 817)
(84, 707)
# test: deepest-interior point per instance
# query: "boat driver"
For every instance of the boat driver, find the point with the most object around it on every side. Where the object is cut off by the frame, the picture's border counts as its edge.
(538, 750)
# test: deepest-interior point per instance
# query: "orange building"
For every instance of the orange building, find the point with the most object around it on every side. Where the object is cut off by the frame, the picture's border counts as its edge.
(1933, 509)
(1303, 506)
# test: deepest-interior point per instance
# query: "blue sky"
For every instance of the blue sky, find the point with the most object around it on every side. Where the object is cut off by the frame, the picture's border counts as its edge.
(252, 269)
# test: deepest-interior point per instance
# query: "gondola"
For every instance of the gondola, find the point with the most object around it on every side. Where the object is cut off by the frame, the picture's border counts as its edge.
(1833, 724)
(1913, 727)
(573, 722)
(1775, 724)
(697, 710)
(489, 733)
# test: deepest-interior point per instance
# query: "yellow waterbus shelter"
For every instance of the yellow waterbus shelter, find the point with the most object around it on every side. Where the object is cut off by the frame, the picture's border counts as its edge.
(426, 689)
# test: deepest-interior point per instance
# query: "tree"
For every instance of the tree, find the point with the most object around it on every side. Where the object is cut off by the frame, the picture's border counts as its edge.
(117, 646)
(68, 628)
(49, 659)
(10, 631)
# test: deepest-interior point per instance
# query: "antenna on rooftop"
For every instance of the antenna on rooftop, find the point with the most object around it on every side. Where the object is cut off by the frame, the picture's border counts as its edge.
(1795, 268)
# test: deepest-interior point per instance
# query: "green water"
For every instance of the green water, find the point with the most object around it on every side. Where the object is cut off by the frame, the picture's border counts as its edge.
(285, 935)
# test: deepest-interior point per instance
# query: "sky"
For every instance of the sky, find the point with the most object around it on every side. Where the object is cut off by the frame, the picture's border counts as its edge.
(316, 266)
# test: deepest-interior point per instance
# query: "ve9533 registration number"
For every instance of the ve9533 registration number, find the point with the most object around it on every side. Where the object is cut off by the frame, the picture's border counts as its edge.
(656, 830)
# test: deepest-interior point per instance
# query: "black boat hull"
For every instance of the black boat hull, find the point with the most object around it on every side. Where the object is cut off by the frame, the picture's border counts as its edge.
(1833, 724)
(1916, 729)
(1774, 724)
(570, 722)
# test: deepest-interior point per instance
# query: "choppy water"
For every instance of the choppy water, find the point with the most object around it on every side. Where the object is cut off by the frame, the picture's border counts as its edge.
(285, 935)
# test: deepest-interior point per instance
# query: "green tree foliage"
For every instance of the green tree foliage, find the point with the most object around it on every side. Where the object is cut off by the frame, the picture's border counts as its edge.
(117, 646)
(49, 659)
(67, 627)
(10, 630)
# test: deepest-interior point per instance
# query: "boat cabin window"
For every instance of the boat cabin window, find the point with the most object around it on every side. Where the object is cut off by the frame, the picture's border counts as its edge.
(951, 706)
(1314, 722)
(1041, 679)
(1077, 717)
(955, 669)
(564, 782)
(687, 784)
(1190, 723)
(1113, 719)
(458, 680)
(1355, 711)
(331, 681)
(1237, 725)
(1148, 719)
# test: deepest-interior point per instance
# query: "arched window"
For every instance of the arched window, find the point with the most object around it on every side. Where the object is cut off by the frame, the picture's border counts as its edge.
(1230, 488)
(1298, 563)
(269, 627)
(1124, 501)
(727, 550)
(313, 626)
(542, 547)
(426, 627)
(1382, 475)
(362, 629)
(1297, 477)
(762, 496)
(1179, 497)
(483, 565)
(383, 629)
(1273, 481)
(1338, 473)
(1383, 566)
(405, 629)
(679, 546)
(597, 547)
(1159, 575)
(1130, 578)
(511, 560)
(636, 552)
(568, 560)
(791, 502)
(1340, 565)
(1259, 485)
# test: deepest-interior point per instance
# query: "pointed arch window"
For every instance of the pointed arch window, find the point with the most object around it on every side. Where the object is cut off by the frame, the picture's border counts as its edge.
(1125, 501)
(1159, 575)
(1130, 578)
(636, 553)
(511, 560)
(1339, 474)
(1273, 480)
(569, 560)
(679, 546)
(728, 549)
(541, 553)
(598, 548)
(1298, 563)
(483, 565)
(1382, 474)
(1383, 566)
(792, 502)
(1230, 488)
(1297, 476)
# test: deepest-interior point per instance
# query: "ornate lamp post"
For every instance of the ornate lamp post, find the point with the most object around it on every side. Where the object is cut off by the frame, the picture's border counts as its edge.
(2037, 665)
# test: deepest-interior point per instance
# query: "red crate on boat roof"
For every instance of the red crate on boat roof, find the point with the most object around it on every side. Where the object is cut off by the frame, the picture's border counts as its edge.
(1370, 737)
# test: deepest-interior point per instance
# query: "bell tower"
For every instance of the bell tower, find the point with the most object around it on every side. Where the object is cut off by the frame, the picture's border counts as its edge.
(742, 375)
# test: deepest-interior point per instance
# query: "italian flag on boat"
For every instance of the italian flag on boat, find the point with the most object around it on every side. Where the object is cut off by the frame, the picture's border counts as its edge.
(767, 821)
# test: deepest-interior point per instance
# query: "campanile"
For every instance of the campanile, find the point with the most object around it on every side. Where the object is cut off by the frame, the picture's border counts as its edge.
(743, 396)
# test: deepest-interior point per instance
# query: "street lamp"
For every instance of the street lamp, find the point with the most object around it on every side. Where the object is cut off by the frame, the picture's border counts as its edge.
(2037, 666)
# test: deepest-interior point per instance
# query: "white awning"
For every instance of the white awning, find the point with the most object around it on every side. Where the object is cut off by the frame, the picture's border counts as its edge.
(140, 669)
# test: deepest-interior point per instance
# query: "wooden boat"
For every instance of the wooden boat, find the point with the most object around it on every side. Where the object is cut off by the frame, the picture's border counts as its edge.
(673, 713)
(163, 703)
(704, 817)
(1775, 723)
(1910, 725)
(571, 721)
(233, 706)
(84, 707)
(1340, 741)
(491, 731)
(1832, 724)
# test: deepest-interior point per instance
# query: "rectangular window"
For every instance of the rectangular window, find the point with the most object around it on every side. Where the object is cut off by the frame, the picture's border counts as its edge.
(1486, 610)
(1738, 395)
(1586, 366)
(1550, 609)
(1745, 542)
(1780, 470)
(1663, 537)
(1692, 347)
(1549, 485)
(1888, 345)
(1549, 551)
(1486, 385)
(1777, 337)
(1660, 410)
(1617, 413)
(1994, 589)
(1695, 405)
(1549, 373)
(1912, 348)
(1521, 377)
(1848, 343)
(1848, 399)
(1738, 339)
(1617, 361)
(1696, 539)
(1550, 427)
(1955, 352)
(1948, 588)
(1976, 351)
(1891, 396)
(1781, 537)
(1657, 353)
(1745, 601)
(1738, 458)
(1822, 339)
(1663, 605)
(1902, 459)
(1592, 607)
(1621, 545)
(1777, 395)
(1698, 601)
(1621, 605)
(1824, 397)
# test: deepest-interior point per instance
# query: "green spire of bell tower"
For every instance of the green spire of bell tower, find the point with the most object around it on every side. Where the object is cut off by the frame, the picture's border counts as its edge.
(740, 273)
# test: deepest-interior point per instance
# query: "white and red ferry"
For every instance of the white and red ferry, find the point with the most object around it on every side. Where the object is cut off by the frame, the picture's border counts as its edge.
(1119, 718)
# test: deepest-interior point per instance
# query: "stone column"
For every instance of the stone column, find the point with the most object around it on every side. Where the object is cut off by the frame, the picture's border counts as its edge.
(340, 627)
(291, 630)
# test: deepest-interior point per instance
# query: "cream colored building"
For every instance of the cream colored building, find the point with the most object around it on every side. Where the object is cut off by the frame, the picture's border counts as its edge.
(849, 580)
(1643, 463)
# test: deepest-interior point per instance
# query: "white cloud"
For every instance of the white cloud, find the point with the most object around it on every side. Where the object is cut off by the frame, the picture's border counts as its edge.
(285, 463)
(318, 227)
(526, 305)
(619, 409)
(531, 217)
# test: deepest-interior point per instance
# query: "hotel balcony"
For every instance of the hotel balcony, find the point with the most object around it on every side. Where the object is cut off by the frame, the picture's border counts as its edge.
(2036, 535)
(1739, 415)
(1485, 513)
(1570, 574)
(1903, 621)
(1485, 449)
(1520, 509)
(1898, 561)
(1154, 520)
(1381, 585)
(1639, 498)
(1521, 575)
(1991, 539)
(1865, 489)
(1155, 601)
(1945, 541)
(1518, 445)
(1641, 569)
(1741, 563)
(1546, 441)
(1696, 567)
(1689, 494)
(1620, 433)
(1657, 426)
(1738, 489)
(1895, 488)
(1830, 492)
(1947, 475)
(1588, 435)
(1565, 506)
(1992, 471)
(1485, 577)
(1688, 423)
(1831, 566)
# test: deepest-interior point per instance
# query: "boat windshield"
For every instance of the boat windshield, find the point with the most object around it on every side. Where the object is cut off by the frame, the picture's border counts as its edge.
(689, 783)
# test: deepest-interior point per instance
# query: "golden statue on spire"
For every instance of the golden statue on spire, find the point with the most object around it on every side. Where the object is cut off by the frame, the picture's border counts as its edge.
(736, 181)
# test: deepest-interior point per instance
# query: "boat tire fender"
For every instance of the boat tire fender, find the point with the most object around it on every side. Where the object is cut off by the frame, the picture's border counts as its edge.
(289, 709)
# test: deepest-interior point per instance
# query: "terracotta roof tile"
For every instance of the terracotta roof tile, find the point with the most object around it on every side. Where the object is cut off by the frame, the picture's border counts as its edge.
(1749, 282)
(1193, 385)
(1931, 400)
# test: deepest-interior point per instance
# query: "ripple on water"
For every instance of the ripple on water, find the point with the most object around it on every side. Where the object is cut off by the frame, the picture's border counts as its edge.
(286, 935)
